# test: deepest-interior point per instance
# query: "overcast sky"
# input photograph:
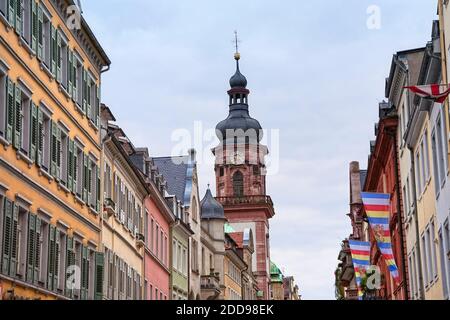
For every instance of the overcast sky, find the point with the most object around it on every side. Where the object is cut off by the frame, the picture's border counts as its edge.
(315, 70)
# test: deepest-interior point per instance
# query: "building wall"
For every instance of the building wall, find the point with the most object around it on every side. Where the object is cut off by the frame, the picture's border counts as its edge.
(157, 269)
(195, 258)
(118, 237)
(180, 268)
(232, 280)
(29, 185)
(426, 211)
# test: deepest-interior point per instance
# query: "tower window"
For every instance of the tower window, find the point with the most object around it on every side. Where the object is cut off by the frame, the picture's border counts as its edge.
(238, 184)
(222, 172)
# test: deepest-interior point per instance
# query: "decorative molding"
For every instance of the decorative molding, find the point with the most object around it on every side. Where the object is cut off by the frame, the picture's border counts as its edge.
(21, 199)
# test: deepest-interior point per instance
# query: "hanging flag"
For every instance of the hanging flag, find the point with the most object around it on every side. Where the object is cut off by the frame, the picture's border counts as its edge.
(361, 261)
(435, 92)
(377, 207)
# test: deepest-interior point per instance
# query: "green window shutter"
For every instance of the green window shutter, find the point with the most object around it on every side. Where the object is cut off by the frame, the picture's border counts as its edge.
(54, 150)
(84, 273)
(58, 152)
(12, 12)
(7, 235)
(85, 178)
(51, 258)
(89, 182)
(14, 241)
(19, 16)
(57, 259)
(75, 170)
(40, 138)
(54, 50)
(10, 111)
(84, 83)
(74, 79)
(40, 32)
(34, 25)
(98, 191)
(99, 274)
(37, 251)
(18, 119)
(31, 247)
(69, 72)
(33, 131)
(70, 261)
(58, 56)
(88, 98)
(97, 106)
(70, 165)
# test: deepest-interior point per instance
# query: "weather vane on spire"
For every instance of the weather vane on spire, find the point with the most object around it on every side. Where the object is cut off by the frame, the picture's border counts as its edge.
(237, 55)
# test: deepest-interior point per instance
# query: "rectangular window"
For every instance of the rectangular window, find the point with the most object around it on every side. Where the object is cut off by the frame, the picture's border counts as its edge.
(26, 21)
(440, 147)
(4, 8)
(418, 175)
(423, 169)
(433, 249)
(3, 91)
(78, 172)
(63, 156)
(22, 241)
(78, 83)
(156, 249)
(63, 61)
(426, 155)
(45, 35)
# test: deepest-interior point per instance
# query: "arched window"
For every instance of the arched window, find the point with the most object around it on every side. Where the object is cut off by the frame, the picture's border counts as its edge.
(238, 184)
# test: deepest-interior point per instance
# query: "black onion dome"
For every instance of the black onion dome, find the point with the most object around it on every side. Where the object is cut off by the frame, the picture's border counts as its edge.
(211, 208)
(239, 119)
(238, 80)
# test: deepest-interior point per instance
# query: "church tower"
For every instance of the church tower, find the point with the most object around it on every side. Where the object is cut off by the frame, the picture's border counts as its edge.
(241, 176)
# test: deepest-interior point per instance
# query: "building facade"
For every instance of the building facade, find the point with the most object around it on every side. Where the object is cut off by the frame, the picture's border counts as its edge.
(383, 177)
(122, 235)
(182, 183)
(405, 70)
(241, 176)
(276, 282)
(425, 141)
(50, 79)
(158, 218)
(440, 120)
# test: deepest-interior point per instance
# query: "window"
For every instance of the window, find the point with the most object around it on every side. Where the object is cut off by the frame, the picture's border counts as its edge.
(63, 61)
(440, 147)
(443, 265)
(435, 163)
(418, 175)
(151, 235)
(174, 254)
(44, 36)
(44, 132)
(146, 230)
(156, 249)
(63, 156)
(78, 81)
(3, 8)
(161, 242)
(184, 267)
(3, 91)
(426, 155)
(179, 258)
(78, 171)
(238, 184)
(10, 238)
(21, 245)
(26, 21)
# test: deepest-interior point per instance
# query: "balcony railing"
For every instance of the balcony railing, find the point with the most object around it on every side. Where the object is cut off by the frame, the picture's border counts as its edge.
(245, 200)
(210, 282)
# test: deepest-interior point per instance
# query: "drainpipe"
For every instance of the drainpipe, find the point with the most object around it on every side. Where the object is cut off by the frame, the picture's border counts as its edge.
(399, 215)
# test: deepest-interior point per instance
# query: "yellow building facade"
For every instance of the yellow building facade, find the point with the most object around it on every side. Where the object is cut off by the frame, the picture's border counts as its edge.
(50, 71)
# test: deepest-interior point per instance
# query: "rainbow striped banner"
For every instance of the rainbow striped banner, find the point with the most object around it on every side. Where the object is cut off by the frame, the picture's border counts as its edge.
(361, 261)
(377, 207)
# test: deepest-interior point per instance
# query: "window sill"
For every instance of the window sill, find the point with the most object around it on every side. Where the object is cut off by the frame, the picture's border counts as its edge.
(6, 23)
(80, 109)
(47, 71)
(64, 91)
(23, 43)
(62, 187)
(24, 157)
(44, 173)
(4, 142)
(93, 125)
(93, 211)
(79, 200)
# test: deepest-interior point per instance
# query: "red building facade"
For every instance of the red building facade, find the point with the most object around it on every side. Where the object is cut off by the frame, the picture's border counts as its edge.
(383, 177)
(157, 220)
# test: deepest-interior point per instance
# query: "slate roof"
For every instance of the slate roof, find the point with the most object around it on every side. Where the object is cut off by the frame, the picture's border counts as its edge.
(211, 208)
(175, 172)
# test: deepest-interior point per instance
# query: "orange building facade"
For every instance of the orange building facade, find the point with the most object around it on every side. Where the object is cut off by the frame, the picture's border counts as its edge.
(50, 78)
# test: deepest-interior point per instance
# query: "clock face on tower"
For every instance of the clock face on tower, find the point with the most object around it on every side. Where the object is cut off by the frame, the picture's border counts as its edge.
(239, 158)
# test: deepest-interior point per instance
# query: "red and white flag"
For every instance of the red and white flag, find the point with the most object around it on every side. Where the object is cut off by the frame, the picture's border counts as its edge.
(436, 92)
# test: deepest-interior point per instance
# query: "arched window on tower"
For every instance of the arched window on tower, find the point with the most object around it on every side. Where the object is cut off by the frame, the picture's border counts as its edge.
(238, 184)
